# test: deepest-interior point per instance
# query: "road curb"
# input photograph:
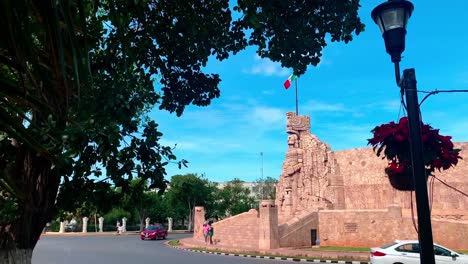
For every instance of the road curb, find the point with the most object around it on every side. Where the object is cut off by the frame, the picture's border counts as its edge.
(298, 259)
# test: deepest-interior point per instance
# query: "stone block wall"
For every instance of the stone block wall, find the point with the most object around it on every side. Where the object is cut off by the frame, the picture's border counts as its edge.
(199, 220)
(371, 228)
(453, 234)
(363, 174)
(239, 231)
(268, 225)
(297, 231)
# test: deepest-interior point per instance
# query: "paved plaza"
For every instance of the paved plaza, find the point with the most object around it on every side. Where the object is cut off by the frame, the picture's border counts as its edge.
(123, 250)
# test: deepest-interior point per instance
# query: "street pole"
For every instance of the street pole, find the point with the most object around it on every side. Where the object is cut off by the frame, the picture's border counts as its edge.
(419, 174)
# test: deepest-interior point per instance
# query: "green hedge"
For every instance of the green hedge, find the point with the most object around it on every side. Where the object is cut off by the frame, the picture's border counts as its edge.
(54, 227)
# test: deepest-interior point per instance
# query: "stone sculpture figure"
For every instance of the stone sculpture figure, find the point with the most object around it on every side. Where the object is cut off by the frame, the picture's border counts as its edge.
(308, 172)
(291, 168)
(101, 224)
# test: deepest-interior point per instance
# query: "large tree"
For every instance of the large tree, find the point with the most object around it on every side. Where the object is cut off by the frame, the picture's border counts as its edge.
(265, 189)
(77, 77)
(234, 198)
(142, 201)
(187, 191)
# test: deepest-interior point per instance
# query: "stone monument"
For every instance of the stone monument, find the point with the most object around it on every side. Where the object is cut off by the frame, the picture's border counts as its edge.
(147, 222)
(169, 221)
(124, 225)
(62, 227)
(101, 224)
(339, 198)
(85, 224)
(199, 221)
(268, 226)
(310, 176)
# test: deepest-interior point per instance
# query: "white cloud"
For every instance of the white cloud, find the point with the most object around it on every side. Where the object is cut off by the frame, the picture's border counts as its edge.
(458, 130)
(231, 127)
(202, 144)
(324, 61)
(449, 125)
(344, 136)
(180, 145)
(316, 106)
(268, 92)
(268, 116)
(392, 106)
(267, 68)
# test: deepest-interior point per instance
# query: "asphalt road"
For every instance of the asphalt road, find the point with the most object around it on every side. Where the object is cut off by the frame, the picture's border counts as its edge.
(124, 250)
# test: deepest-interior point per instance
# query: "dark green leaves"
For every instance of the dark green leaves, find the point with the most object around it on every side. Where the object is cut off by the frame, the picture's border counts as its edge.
(294, 32)
(78, 78)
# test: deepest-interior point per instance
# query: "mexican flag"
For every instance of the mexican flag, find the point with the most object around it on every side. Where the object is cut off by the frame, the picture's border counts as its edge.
(288, 82)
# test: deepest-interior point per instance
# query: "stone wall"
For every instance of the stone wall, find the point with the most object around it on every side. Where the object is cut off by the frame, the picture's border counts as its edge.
(199, 220)
(363, 174)
(453, 234)
(371, 228)
(297, 231)
(268, 225)
(239, 231)
(362, 209)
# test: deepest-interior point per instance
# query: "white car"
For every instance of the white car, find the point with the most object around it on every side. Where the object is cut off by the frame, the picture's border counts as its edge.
(407, 252)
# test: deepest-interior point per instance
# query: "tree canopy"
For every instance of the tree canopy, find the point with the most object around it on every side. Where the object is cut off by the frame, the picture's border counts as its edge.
(79, 76)
(186, 192)
(234, 198)
(265, 189)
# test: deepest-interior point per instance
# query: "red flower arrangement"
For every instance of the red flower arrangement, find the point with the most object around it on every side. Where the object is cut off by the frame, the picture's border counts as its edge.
(393, 139)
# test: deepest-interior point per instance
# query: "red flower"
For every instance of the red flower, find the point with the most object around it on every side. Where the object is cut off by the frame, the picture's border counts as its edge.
(399, 137)
(392, 139)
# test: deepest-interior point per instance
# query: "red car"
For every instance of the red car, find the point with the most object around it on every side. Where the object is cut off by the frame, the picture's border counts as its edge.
(154, 232)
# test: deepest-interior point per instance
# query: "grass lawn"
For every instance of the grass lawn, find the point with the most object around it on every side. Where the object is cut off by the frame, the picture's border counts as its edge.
(357, 249)
(174, 243)
(252, 253)
(331, 248)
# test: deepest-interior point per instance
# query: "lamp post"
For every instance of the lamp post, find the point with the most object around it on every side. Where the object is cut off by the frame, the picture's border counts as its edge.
(261, 171)
(392, 18)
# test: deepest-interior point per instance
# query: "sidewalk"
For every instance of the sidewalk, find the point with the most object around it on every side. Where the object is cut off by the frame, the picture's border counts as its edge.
(89, 233)
(108, 233)
(296, 253)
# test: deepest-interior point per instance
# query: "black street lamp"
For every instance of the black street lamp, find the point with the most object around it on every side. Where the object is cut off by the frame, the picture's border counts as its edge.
(392, 18)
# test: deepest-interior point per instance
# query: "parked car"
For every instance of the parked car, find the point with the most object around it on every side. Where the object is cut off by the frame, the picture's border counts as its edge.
(407, 252)
(154, 232)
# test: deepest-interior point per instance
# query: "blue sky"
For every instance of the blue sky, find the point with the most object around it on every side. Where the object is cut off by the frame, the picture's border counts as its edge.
(350, 92)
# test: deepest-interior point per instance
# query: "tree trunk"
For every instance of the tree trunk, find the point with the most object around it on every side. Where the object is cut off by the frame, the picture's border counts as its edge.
(189, 224)
(191, 215)
(37, 190)
(15, 256)
(142, 216)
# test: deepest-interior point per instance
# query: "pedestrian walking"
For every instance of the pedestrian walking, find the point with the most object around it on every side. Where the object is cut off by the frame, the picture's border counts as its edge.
(206, 229)
(210, 231)
(119, 228)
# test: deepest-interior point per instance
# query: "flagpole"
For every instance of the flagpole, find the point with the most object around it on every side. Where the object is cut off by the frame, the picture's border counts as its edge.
(297, 101)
